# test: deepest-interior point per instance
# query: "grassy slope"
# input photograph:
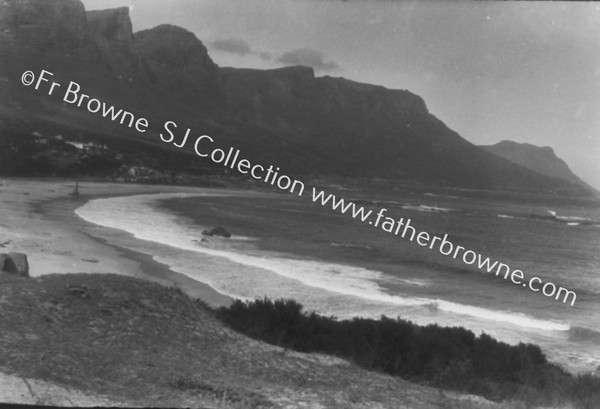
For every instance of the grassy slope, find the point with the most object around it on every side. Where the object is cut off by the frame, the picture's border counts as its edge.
(143, 344)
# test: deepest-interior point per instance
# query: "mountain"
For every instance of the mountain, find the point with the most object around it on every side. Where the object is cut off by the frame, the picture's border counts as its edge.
(310, 126)
(542, 160)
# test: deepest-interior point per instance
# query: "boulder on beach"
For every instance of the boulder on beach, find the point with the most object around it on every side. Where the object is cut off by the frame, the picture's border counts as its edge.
(15, 263)
(3, 258)
(217, 231)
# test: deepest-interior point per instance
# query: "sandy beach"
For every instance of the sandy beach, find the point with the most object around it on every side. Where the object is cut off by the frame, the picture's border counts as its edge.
(128, 341)
(39, 220)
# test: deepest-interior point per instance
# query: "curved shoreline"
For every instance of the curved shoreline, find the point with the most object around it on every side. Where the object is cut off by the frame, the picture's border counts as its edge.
(62, 210)
(78, 250)
(94, 216)
(182, 243)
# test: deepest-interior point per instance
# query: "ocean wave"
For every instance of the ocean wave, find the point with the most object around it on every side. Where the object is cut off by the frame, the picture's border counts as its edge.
(351, 246)
(136, 215)
(578, 334)
(571, 219)
(574, 218)
(428, 209)
(513, 318)
(566, 220)
(438, 195)
(414, 281)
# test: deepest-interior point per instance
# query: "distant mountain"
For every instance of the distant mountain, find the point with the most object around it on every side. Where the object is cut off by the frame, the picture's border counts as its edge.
(311, 126)
(542, 160)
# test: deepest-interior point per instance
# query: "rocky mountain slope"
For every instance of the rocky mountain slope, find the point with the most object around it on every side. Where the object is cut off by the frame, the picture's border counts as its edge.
(316, 126)
(542, 160)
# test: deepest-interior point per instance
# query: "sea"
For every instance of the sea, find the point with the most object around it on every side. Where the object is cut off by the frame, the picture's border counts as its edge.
(286, 246)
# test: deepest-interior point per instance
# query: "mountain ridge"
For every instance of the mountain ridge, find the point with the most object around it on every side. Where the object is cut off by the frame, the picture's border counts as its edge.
(316, 126)
(540, 159)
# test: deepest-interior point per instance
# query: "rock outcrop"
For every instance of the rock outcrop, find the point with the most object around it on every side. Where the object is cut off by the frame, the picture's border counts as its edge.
(113, 25)
(180, 64)
(44, 23)
(217, 231)
(14, 263)
(175, 51)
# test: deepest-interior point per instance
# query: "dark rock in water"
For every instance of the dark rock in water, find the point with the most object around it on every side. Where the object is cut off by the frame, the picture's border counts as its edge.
(16, 263)
(217, 231)
(220, 231)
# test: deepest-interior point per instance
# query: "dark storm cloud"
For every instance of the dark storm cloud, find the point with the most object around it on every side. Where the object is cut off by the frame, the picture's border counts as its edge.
(232, 45)
(308, 57)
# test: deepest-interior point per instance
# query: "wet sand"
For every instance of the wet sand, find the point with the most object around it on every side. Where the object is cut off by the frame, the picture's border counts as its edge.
(37, 218)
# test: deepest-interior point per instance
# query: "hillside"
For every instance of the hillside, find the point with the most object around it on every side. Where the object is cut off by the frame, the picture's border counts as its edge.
(542, 160)
(139, 343)
(312, 126)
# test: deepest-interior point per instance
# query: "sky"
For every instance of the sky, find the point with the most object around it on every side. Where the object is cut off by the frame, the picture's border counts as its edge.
(522, 71)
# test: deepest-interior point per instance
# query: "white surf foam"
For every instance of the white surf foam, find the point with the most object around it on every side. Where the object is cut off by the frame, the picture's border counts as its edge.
(136, 215)
(438, 195)
(574, 219)
(428, 209)
(351, 246)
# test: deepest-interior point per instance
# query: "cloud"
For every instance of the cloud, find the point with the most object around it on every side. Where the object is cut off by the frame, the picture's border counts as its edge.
(233, 46)
(308, 57)
(265, 56)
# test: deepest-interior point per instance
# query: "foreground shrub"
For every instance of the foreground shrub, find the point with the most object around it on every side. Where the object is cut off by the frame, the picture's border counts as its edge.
(452, 358)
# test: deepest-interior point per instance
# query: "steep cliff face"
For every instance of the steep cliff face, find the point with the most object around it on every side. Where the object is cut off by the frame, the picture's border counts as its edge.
(312, 125)
(58, 35)
(180, 63)
(111, 33)
(172, 51)
(41, 23)
(36, 35)
(358, 129)
(268, 97)
(110, 26)
(294, 94)
(542, 160)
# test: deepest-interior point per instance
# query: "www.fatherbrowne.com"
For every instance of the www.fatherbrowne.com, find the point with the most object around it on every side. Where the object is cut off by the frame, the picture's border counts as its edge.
(404, 229)
(270, 175)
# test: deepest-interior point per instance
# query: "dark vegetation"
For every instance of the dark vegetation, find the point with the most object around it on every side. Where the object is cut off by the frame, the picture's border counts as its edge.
(141, 344)
(26, 155)
(452, 358)
(117, 158)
